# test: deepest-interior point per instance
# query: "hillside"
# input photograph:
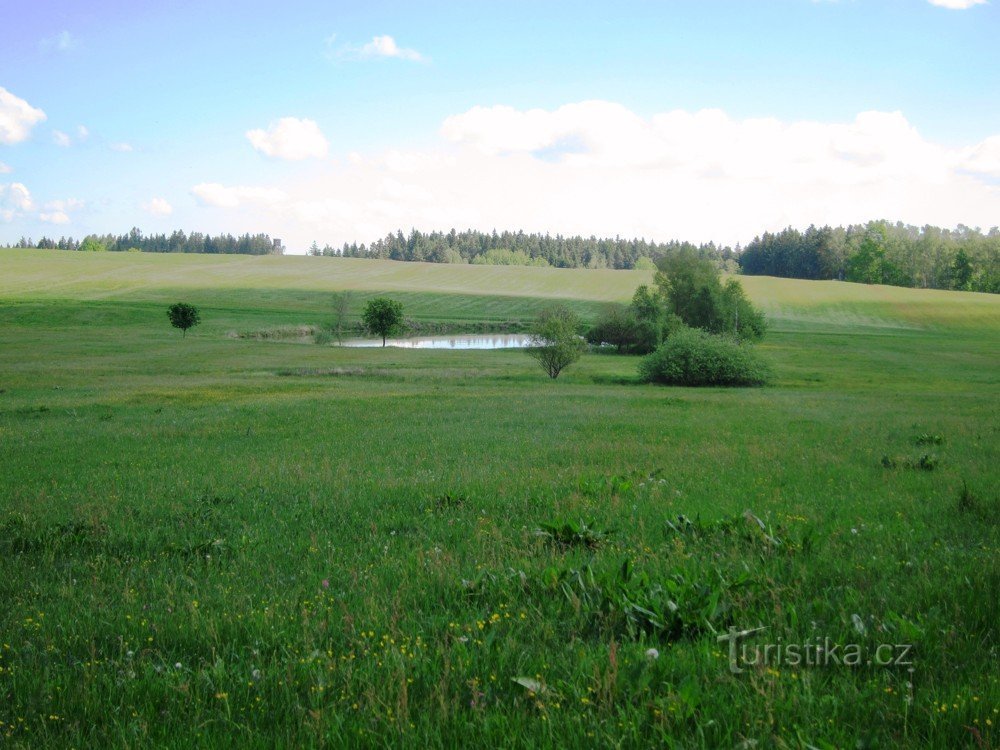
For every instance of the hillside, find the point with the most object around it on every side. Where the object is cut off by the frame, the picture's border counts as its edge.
(301, 283)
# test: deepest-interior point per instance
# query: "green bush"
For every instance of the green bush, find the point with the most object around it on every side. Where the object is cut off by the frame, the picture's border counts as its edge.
(695, 357)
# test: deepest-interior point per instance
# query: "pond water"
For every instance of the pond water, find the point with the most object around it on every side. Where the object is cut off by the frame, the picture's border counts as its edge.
(460, 341)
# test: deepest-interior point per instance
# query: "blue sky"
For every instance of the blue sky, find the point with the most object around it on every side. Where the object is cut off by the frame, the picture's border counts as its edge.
(327, 121)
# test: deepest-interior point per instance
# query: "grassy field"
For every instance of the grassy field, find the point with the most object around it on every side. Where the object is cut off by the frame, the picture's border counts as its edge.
(214, 541)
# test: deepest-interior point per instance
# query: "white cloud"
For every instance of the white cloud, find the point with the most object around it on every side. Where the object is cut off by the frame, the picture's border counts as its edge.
(598, 168)
(124, 148)
(385, 46)
(290, 138)
(17, 118)
(158, 207)
(379, 46)
(70, 204)
(956, 4)
(220, 196)
(5, 169)
(61, 42)
(58, 212)
(82, 132)
(984, 157)
(60, 138)
(15, 198)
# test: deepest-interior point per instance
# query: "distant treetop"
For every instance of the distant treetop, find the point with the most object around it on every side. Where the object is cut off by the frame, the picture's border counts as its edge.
(175, 242)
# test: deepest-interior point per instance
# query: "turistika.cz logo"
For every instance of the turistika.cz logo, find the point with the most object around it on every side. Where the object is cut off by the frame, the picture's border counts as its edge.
(819, 652)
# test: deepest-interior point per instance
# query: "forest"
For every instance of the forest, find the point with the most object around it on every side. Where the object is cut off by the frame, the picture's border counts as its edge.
(881, 253)
(175, 242)
(877, 252)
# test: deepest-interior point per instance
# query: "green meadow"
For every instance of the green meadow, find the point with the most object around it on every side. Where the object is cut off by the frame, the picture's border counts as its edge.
(220, 540)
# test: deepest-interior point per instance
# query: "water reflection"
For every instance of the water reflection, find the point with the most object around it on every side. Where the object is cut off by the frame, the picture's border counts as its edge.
(462, 341)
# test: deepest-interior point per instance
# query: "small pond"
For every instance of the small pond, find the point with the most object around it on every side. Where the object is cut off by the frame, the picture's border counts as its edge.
(458, 341)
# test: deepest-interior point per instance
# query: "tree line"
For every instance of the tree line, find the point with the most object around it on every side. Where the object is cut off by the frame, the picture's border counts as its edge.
(522, 249)
(881, 253)
(874, 253)
(175, 242)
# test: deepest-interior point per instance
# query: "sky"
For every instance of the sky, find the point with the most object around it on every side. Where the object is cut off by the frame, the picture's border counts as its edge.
(333, 122)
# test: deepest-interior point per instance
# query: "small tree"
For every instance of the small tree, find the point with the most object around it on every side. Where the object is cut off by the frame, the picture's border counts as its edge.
(692, 290)
(382, 316)
(341, 312)
(554, 342)
(618, 326)
(183, 316)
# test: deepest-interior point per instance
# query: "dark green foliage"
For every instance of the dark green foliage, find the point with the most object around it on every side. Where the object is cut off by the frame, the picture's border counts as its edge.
(926, 462)
(691, 289)
(881, 253)
(695, 357)
(183, 316)
(382, 316)
(554, 340)
(633, 604)
(961, 271)
(175, 242)
(520, 248)
(620, 327)
(570, 534)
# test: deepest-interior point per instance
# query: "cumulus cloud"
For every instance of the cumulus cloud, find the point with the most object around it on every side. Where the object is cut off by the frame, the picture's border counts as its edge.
(158, 207)
(123, 148)
(596, 167)
(58, 212)
(984, 157)
(60, 138)
(380, 46)
(55, 217)
(956, 4)
(217, 195)
(82, 132)
(290, 138)
(15, 199)
(17, 118)
(5, 169)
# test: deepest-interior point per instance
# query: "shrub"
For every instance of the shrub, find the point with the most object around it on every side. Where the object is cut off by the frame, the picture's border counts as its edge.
(695, 357)
(554, 342)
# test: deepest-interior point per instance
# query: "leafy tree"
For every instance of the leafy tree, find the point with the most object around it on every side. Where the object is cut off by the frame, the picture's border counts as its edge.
(691, 288)
(92, 245)
(382, 316)
(554, 341)
(183, 316)
(618, 326)
(961, 271)
(747, 321)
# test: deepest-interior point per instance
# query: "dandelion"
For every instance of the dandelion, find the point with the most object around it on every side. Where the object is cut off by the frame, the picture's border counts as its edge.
(652, 654)
(178, 665)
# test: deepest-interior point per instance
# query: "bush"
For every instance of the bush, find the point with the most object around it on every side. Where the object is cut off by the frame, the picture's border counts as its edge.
(554, 342)
(695, 357)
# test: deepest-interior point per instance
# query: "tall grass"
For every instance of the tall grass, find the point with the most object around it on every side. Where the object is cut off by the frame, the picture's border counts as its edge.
(217, 541)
